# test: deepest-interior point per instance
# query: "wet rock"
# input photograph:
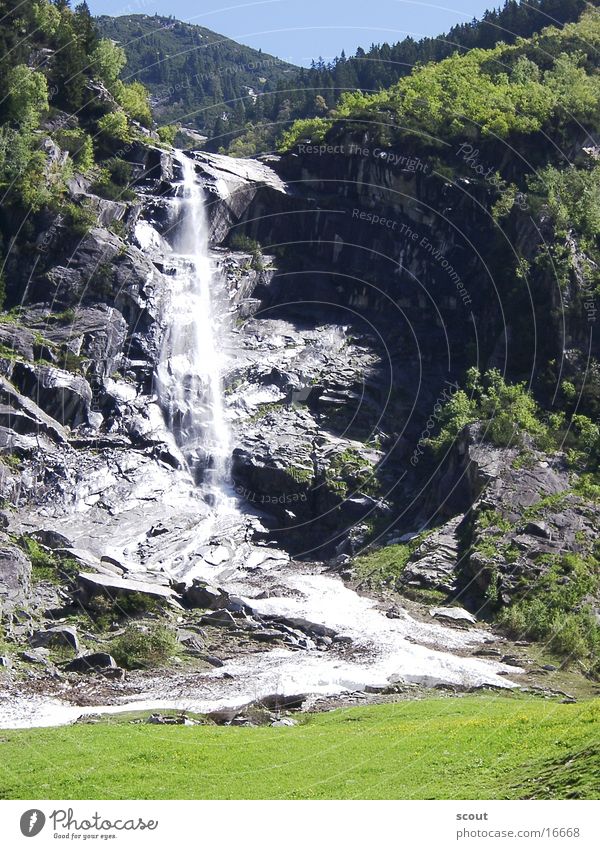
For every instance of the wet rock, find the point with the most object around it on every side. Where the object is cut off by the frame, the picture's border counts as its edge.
(114, 565)
(237, 605)
(91, 662)
(214, 661)
(313, 629)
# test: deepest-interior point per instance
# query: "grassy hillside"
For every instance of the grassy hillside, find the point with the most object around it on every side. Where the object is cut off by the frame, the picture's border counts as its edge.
(475, 747)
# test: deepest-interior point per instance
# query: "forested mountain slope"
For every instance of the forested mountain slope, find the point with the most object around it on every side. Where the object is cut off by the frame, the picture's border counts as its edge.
(243, 99)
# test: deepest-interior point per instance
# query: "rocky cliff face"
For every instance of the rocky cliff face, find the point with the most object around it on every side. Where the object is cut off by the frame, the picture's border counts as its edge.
(329, 381)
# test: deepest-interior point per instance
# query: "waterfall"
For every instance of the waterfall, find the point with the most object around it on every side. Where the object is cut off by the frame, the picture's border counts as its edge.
(190, 367)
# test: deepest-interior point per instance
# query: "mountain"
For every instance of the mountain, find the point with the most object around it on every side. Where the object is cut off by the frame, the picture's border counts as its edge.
(243, 99)
(195, 76)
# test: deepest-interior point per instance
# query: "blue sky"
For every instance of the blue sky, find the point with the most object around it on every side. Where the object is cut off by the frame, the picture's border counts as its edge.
(300, 30)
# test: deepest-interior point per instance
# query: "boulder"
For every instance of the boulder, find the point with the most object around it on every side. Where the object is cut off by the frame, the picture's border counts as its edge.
(433, 564)
(60, 635)
(200, 594)
(222, 618)
(64, 396)
(538, 529)
(90, 585)
(453, 614)
(19, 339)
(91, 662)
(21, 414)
(51, 539)
(277, 701)
(33, 657)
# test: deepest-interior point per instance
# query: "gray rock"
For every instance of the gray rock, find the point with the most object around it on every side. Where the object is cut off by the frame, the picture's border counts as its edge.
(433, 564)
(267, 636)
(538, 529)
(453, 614)
(91, 662)
(200, 594)
(235, 604)
(51, 539)
(63, 396)
(60, 635)
(19, 339)
(277, 701)
(222, 618)
(33, 657)
(91, 585)
(213, 660)
(15, 579)
(21, 414)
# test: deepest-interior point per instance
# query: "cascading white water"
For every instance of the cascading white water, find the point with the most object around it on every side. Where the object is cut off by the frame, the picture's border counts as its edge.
(190, 368)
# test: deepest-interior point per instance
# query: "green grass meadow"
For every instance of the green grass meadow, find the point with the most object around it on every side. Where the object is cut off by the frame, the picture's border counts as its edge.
(476, 747)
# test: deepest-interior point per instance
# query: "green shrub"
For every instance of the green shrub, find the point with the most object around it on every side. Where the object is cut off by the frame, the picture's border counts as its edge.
(304, 130)
(79, 146)
(45, 565)
(108, 60)
(506, 411)
(141, 647)
(167, 134)
(115, 126)
(134, 100)
(241, 242)
(80, 218)
(27, 96)
(112, 182)
(384, 566)
(556, 610)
